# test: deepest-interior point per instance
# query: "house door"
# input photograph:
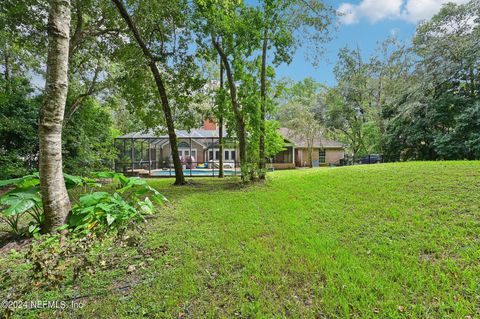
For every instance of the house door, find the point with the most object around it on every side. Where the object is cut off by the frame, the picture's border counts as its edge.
(214, 155)
(298, 157)
(229, 155)
(187, 152)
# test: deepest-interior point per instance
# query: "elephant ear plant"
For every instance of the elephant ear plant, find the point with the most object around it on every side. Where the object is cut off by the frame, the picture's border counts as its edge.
(23, 198)
(131, 199)
(128, 200)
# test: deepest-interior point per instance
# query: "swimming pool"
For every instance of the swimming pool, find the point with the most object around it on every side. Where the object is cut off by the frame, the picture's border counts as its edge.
(195, 172)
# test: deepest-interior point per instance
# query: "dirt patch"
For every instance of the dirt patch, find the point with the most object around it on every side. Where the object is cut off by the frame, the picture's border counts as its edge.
(5, 189)
(9, 242)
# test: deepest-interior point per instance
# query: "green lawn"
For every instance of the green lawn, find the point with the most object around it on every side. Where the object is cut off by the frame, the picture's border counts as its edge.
(377, 241)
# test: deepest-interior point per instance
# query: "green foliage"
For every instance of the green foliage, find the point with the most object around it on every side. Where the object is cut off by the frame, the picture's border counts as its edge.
(298, 113)
(101, 209)
(174, 57)
(274, 142)
(131, 200)
(23, 198)
(87, 139)
(437, 113)
(349, 103)
(18, 127)
(252, 251)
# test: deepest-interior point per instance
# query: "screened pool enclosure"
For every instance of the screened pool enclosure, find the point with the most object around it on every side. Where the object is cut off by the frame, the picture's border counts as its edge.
(149, 154)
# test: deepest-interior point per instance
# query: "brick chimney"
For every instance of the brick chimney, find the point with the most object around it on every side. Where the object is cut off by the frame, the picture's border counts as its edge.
(209, 124)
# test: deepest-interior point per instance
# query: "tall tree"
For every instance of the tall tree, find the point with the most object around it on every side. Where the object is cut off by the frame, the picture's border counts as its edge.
(94, 37)
(348, 103)
(151, 59)
(228, 26)
(287, 25)
(221, 107)
(436, 116)
(56, 203)
(299, 112)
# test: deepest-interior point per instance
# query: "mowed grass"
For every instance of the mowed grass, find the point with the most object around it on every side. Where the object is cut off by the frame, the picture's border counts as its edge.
(373, 241)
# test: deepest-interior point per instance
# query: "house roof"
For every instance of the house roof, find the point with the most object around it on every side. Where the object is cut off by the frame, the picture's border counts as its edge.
(208, 134)
(194, 133)
(299, 142)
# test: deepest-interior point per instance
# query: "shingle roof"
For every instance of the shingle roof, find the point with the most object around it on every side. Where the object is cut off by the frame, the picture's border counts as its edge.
(300, 143)
(205, 134)
(194, 133)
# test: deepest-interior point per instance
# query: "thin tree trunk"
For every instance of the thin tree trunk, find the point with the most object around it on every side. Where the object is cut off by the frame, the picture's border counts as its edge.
(239, 121)
(310, 155)
(56, 203)
(220, 123)
(172, 136)
(7, 73)
(472, 81)
(263, 93)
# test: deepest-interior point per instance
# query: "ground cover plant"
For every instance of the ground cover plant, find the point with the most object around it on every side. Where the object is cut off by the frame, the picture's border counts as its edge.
(377, 241)
(128, 200)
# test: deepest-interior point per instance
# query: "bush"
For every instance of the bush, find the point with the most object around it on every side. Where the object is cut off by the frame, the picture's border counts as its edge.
(23, 199)
(132, 198)
(102, 210)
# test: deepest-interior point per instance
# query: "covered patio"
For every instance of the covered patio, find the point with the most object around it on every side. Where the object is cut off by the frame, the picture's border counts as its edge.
(284, 159)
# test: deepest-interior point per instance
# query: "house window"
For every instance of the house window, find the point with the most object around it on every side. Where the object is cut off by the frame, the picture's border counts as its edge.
(321, 156)
(186, 153)
(228, 155)
(183, 145)
(214, 155)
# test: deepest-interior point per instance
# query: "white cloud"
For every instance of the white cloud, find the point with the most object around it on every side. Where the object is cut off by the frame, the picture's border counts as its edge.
(417, 10)
(376, 10)
(349, 13)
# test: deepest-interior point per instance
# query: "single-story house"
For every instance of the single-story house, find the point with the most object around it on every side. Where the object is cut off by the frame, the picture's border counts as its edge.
(199, 146)
(324, 152)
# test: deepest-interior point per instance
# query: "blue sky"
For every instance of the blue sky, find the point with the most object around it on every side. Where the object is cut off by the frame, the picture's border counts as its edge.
(365, 24)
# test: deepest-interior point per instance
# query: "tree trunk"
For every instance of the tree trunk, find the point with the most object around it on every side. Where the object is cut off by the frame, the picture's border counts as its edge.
(56, 203)
(172, 136)
(310, 155)
(239, 121)
(220, 123)
(472, 81)
(263, 93)
(7, 73)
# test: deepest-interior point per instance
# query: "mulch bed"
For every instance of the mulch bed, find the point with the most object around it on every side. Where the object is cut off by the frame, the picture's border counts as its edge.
(9, 242)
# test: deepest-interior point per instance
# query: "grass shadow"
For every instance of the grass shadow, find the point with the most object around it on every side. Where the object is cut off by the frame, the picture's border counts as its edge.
(202, 185)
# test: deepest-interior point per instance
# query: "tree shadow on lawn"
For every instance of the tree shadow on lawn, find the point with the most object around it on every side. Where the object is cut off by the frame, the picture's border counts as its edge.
(173, 193)
(206, 185)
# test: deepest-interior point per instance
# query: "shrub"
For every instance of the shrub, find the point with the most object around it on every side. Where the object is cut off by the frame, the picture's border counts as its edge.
(23, 199)
(132, 198)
